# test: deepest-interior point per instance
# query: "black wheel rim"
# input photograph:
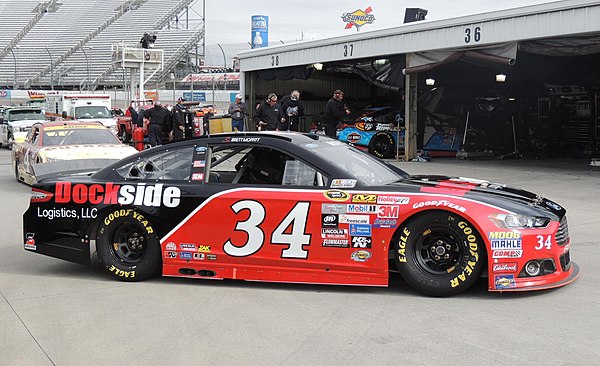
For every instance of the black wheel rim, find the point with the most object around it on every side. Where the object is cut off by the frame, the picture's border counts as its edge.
(129, 244)
(439, 250)
(381, 145)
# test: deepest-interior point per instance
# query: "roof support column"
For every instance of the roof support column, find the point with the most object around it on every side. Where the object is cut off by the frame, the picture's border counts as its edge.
(410, 116)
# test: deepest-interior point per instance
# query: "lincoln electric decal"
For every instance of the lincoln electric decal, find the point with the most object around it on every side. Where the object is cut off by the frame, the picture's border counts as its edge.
(358, 18)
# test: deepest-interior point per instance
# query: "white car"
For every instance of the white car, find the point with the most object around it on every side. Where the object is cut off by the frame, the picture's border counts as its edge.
(15, 122)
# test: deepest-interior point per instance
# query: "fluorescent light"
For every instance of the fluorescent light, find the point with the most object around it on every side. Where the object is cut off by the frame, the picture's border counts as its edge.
(500, 78)
(318, 66)
(430, 81)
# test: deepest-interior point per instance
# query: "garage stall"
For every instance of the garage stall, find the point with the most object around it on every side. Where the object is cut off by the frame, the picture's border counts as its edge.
(498, 84)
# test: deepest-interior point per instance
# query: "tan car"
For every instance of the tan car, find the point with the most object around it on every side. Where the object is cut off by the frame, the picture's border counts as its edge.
(55, 148)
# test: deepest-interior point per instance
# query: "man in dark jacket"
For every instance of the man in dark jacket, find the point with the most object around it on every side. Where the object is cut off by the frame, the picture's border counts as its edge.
(334, 112)
(159, 117)
(292, 109)
(179, 114)
(268, 115)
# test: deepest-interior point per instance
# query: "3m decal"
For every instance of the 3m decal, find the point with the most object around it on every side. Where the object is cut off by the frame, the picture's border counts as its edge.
(388, 212)
(296, 238)
(110, 194)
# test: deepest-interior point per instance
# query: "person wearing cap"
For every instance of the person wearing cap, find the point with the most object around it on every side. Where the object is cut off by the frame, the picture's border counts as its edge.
(335, 110)
(268, 116)
(237, 110)
(292, 109)
(179, 119)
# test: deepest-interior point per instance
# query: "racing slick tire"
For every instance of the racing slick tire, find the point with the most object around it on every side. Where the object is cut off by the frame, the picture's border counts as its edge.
(127, 246)
(382, 145)
(439, 253)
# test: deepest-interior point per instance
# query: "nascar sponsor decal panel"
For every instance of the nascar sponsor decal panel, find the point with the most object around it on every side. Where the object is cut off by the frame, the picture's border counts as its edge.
(354, 219)
(361, 208)
(392, 200)
(364, 198)
(333, 208)
(59, 213)
(334, 233)
(504, 282)
(335, 195)
(362, 242)
(508, 267)
(343, 183)
(30, 241)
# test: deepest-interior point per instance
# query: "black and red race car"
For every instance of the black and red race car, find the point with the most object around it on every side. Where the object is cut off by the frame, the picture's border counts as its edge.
(302, 208)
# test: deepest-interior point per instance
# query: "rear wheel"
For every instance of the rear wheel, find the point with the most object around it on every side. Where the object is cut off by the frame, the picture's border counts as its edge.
(127, 246)
(439, 253)
(382, 145)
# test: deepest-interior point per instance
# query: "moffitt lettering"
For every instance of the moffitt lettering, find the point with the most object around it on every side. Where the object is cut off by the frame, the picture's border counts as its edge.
(110, 193)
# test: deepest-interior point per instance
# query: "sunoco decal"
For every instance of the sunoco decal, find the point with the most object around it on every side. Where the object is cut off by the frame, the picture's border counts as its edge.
(505, 281)
(110, 194)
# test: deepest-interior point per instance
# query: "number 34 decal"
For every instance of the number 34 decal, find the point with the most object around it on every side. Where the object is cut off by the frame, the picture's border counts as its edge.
(543, 242)
(295, 240)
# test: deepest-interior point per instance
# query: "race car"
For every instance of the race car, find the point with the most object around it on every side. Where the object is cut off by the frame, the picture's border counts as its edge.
(16, 121)
(299, 208)
(53, 147)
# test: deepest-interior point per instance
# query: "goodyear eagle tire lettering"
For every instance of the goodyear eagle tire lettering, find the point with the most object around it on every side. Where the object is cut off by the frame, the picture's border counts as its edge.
(439, 253)
(127, 245)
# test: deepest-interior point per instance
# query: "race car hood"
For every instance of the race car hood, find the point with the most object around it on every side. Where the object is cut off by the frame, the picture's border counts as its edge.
(512, 199)
(107, 122)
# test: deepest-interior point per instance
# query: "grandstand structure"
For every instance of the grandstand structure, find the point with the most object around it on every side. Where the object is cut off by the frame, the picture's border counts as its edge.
(66, 44)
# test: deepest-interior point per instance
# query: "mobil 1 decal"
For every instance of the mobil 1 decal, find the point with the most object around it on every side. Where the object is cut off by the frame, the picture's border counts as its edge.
(269, 225)
(198, 163)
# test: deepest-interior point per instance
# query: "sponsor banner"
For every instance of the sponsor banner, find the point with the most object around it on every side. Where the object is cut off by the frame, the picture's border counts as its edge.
(358, 18)
(335, 195)
(506, 244)
(343, 183)
(260, 31)
(186, 247)
(360, 230)
(204, 248)
(171, 255)
(440, 203)
(185, 255)
(385, 223)
(361, 242)
(336, 243)
(334, 233)
(333, 208)
(364, 198)
(354, 219)
(329, 220)
(361, 256)
(171, 246)
(388, 212)
(199, 256)
(392, 200)
(505, 267)
(30, 241)
(358, 208)
(504, 235)
(504, 281)
(504, 253)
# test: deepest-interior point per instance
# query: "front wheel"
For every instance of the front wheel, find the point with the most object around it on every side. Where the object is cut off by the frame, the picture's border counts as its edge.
(439, 253)
(127, 246)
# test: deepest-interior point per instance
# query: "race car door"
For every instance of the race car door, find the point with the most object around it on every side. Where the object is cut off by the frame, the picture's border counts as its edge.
(270, 217)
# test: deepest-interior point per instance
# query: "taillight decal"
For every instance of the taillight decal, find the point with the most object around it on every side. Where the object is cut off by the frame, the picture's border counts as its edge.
(39, 195)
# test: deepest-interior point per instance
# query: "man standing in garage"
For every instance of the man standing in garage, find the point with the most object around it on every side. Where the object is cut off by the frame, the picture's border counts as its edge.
(159, 118)
(334, 112)
(268, 115)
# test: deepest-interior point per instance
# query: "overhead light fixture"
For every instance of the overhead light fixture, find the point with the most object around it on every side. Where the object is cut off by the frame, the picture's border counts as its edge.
(500, 78)
(318, 66)
(381, 61)
(430, 81)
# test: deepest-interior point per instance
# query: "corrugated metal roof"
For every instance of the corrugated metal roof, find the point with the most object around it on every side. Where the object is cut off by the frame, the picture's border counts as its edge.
(549, 20)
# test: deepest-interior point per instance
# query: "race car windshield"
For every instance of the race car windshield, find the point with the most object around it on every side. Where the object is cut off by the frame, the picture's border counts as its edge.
(26, 115)
(79, 137)
(367, 169)
(89, 112)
